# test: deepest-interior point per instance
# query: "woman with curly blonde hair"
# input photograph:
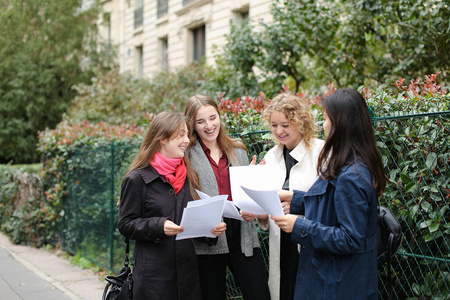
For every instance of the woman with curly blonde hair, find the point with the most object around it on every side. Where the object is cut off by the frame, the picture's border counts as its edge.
(294, 160)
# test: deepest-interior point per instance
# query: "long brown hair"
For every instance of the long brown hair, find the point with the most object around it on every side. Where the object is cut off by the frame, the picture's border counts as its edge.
(164, 126)
(297, 111)
(224, 141)
(351, 137)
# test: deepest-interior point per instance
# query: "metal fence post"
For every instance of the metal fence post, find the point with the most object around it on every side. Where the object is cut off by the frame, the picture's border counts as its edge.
(111, 211)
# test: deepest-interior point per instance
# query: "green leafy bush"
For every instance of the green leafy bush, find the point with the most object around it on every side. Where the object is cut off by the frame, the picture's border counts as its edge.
(21, 205)
(84, 164)
(117, 98)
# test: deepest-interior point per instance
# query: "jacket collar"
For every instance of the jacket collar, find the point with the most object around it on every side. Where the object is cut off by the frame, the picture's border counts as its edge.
(149, 174)
(320, 186)
(298, 153)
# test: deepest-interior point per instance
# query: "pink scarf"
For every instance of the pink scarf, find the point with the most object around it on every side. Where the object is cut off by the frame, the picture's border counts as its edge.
(172, 169)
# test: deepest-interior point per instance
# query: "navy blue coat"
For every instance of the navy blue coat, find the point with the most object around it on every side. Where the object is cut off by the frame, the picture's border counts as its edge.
(166, 269)
(338, 257)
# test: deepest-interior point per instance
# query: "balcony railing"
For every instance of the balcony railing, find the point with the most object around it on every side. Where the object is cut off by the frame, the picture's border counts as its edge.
(163, 8)
(138, 17)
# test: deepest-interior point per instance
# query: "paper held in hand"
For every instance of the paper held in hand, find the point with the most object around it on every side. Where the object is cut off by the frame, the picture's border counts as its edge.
(260, 196)
(229, 209)
(200, 216)
(267, 200)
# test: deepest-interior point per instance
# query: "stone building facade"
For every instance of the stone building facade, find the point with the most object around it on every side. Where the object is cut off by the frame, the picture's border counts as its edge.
(156, 35)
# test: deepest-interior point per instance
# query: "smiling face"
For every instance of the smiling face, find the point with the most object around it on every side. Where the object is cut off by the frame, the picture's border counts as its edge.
(207, 124)
(174, 146)
(284, 131)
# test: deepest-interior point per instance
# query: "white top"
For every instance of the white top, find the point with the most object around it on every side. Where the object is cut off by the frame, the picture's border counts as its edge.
(302, 176)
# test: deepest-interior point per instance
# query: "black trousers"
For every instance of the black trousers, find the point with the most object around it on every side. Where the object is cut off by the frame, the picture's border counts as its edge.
(288, 266)
(249, 272)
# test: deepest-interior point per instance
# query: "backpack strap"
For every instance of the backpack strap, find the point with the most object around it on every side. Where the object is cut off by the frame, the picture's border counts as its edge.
(390, 288)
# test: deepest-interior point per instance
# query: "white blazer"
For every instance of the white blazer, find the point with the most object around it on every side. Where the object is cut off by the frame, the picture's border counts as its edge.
(302, 176)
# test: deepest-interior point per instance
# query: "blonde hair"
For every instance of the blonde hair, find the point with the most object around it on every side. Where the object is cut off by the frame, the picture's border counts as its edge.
(164, 126)
(298, 112)
(225, 142)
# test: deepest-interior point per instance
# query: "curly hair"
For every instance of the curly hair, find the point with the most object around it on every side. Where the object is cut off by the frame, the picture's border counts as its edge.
(297, 111)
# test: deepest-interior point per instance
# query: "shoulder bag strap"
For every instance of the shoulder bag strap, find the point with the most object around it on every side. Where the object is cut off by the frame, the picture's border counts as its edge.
(144, 191)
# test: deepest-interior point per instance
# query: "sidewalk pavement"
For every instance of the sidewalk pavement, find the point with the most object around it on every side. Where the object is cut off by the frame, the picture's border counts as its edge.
(28, 273)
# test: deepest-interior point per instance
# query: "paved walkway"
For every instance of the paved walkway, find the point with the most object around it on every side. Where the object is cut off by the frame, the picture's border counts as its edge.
(28, 273)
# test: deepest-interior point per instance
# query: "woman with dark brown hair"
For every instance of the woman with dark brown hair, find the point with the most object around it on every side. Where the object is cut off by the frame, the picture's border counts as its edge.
(335, 221)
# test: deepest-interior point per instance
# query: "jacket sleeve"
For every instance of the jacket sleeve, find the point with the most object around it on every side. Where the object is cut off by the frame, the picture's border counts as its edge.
(131, 224)
(349, 234)
(298, 204)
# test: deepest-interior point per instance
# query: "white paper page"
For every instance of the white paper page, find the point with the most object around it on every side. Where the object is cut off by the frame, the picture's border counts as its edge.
(230, 211)
(206, 200)
(202, 195)
(268, 200)
(257, 177)
(198, 220)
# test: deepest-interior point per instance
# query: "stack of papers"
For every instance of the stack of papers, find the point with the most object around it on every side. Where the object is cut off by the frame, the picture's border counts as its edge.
(252, 190)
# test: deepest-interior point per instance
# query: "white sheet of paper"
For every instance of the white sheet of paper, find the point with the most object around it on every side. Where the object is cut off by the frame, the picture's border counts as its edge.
(229, 209)
(202, 195)
(199, 218)
(268, 200)
(257, 177)
(203, 201)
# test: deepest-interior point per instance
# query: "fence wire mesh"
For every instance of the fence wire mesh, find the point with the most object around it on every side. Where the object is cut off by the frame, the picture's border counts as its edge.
(415, 152)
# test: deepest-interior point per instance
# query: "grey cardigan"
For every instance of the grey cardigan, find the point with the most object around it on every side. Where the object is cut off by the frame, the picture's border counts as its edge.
(208, 185)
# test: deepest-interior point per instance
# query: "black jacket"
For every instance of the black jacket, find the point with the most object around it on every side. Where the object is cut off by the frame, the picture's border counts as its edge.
(165, 268)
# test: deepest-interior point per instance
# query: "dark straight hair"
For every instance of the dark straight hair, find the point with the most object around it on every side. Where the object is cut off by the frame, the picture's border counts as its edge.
(351, 137)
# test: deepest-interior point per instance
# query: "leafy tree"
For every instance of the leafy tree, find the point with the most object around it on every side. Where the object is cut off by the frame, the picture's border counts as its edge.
(42, 46)
(350, 43)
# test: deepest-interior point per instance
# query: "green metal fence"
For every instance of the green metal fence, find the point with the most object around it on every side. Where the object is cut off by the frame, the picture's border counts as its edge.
(415, 151)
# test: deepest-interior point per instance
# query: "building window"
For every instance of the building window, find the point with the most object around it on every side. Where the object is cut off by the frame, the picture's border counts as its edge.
(186, 2)
(139, 14)
(164, 53)
(244, 17)
(139, 62)
(163, 8)
(241, 16)
(198, 36)
(107, 24)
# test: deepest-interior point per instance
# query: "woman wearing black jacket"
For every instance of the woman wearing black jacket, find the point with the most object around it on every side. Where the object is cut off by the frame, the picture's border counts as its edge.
(165, 268)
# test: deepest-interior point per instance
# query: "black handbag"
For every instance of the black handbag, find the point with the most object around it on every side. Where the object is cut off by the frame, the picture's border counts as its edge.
(120, 287)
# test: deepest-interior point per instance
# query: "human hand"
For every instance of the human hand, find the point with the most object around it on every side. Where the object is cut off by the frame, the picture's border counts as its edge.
(170, 228)
(286, 207)
(249, 217)
(253, 162)
(285, 195)
(219, 229)
(286, 222)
